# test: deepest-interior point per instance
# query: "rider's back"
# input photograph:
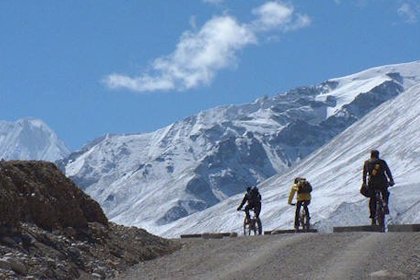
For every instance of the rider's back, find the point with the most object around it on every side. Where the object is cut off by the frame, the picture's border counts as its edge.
(301, 196)
(254, 196)
(376, 169)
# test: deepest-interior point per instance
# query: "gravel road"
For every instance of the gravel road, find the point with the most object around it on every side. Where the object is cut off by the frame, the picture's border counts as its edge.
(339, 256)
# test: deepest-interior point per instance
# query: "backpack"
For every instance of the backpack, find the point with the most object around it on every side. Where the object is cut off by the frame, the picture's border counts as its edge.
(254, 195)
(304, 187)
(375, 168)
(376, 171)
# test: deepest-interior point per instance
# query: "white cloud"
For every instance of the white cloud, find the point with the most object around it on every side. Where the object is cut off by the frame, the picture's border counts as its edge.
(200, 54)
(195, 60)
(409, 12)
(271, 15)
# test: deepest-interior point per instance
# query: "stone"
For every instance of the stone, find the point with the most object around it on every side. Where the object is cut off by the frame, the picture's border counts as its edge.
(385, 274)
(8, 241)
(101, 271)
(96, 276)
(17, 266)
(4, 264)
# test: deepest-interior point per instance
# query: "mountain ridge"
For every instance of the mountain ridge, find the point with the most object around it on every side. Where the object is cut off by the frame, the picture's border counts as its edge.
(195, 163)
(335, 172)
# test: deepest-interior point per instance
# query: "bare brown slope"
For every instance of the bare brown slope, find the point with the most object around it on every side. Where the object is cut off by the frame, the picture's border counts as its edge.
(37, 192)
(50, 229)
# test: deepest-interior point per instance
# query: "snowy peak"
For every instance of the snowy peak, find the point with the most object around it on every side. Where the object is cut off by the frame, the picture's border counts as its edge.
(408, 73)
(30, 139)
(403, 75)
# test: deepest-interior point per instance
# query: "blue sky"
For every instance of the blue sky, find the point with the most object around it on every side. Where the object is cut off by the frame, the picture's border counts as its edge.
(88, 68)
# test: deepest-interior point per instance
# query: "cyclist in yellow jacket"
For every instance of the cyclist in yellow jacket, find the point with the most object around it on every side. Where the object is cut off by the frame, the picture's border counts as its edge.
(303, 197)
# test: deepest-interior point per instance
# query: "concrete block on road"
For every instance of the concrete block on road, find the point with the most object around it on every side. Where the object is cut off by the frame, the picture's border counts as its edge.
(283, 231)
(374, 228)
(191, 235)
(233, 234)
(212, 235)
(404, 228)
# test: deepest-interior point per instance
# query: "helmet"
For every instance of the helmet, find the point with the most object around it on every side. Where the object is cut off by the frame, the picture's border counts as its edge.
(248, 189)
(297, 179)
(374, 154)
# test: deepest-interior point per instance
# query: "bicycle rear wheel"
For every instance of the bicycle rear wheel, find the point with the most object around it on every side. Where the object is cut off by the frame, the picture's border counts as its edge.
(246, 227)
(380, 212)
(304, 220)
(253, 227)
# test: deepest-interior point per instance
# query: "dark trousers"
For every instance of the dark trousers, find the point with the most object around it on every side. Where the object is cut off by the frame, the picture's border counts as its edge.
(299, 204)
(256, 207)
(372, 201)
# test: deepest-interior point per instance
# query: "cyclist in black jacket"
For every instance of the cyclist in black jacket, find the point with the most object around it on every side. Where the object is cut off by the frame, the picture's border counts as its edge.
(253, 197)
(379, 178)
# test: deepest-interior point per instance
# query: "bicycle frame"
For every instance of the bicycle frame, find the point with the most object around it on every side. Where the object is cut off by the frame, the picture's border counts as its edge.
(303, 219)
(252, 226)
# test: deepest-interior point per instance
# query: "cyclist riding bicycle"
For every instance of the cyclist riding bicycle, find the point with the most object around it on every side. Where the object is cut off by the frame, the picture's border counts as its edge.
(303, 189)
(379, 179)
(253, 197)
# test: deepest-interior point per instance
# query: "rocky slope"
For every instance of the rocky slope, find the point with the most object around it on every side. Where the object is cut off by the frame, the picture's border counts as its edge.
(30, 139)
(50, 229)
(153, 179)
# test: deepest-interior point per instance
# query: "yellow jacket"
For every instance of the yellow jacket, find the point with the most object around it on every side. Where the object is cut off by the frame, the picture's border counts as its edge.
(300, 196)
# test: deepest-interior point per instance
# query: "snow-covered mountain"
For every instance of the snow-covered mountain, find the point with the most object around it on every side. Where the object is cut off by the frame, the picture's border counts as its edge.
(335, 172)
(30, 139)
(153, 179)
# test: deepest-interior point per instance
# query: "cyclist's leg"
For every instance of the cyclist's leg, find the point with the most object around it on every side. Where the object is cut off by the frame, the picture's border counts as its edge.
(372, 208)
(257, 211)
(385, 196)
(308, 216)
(305, 206)
(247, 208)
(297, 213)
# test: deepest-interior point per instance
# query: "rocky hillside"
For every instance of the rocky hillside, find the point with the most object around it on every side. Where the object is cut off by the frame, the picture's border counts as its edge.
(50, 229)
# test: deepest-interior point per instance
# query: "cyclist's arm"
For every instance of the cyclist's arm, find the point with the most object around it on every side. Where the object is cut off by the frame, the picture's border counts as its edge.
(388, 172)
(292, 194)
(243, 202)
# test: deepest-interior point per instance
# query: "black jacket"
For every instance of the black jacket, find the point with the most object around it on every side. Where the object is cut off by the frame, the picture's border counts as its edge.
(251, 199)
(378, 173)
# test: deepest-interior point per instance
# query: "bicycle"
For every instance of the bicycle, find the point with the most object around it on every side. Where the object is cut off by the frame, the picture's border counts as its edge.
(380, 210)
(303, 219)
(252, 226)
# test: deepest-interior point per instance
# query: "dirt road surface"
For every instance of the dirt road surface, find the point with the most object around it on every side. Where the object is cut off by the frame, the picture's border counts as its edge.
(290, 256)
